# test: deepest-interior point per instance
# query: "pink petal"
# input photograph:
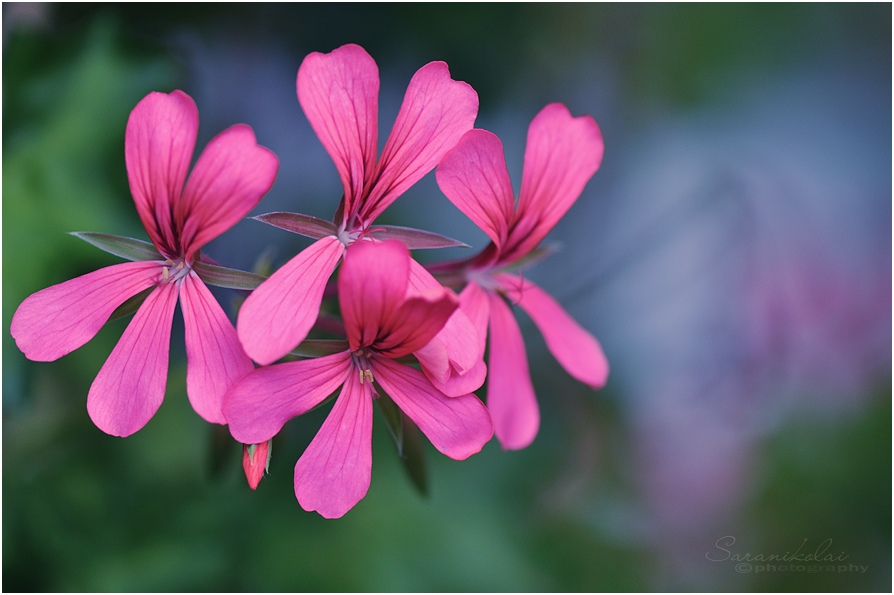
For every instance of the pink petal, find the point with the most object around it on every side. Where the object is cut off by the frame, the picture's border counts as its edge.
(458, 337)
(130, 386)
(230, 177)
(59, 319)
(510, 394)
(259, 404)
(339, 93)
(416, 322)
(158, 146)
(473, 176)
(371, 286)
(334, 472)
(561, 156)
(457, 426)
(474, 304)
(457, 384)
(278, 314)
(435, 113)
(573, 346)
(215, 359)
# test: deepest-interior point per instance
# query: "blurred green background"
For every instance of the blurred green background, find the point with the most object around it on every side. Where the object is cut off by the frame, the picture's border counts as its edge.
(620, 491)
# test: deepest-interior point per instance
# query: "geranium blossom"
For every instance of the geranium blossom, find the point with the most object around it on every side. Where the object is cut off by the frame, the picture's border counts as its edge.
(562, 154)
(384, 320)
(228, 180)
(338, 92)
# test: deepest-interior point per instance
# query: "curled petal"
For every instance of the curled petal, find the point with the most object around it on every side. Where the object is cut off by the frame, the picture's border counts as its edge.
(371, 286)
(339, 93)
(458, 336)
(230, 177)
(572, 345)
(259, 404)
(278, 314)
(510, 394)
(457, 426)
(456, 384)
(473, 176)
(59, 319)
(158, 146)
(435, 113)
(334, 472)
(416, 322)
(130, 386)
(215, 359)
(562, 154)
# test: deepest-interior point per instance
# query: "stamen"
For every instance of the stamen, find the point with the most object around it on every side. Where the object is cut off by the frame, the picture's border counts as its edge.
(363, 365)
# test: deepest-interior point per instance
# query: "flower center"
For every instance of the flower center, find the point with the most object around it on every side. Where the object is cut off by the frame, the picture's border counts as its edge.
(361, 359)
(174, 271)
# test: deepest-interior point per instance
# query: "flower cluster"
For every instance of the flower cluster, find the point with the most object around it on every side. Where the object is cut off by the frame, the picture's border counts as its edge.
(410, 338)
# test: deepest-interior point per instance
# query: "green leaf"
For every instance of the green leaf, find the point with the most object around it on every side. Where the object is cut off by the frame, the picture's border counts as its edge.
(408, 439)
(392, 415)
(415, 239)
(128, 248)
(414, 455)
(131, 305)
(312, 227)
(213, 274)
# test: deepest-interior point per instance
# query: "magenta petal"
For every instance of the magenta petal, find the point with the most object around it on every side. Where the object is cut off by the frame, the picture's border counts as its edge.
(573, 346)
(158, 146)
(259, 404)
(334, 472)
(371, 286)
(473, 176)
(457, 384)
(510, 394)
(457, 426)
(215, 359)
(59, 319)
(339, 93)
(562, 154)
(474, 304)
(435, 113)
(278, 314)
(416, 322)
(230, 177)
(459, 336)
(130, 386)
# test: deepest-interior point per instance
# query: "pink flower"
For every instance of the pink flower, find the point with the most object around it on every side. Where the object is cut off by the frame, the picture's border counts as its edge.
(228, 180)
(339, 94)
(562, 154)
(384, 322)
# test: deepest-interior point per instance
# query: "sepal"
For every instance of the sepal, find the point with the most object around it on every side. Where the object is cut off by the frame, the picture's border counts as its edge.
(415, 239)
(320, 347)
(311, 227)
(219, 276)
(128, 248)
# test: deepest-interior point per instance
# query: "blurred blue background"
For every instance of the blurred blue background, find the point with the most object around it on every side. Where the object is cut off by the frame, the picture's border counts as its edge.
(733, 256)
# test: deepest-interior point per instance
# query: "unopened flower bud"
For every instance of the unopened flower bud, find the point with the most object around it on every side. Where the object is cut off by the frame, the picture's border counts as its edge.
(256, 461)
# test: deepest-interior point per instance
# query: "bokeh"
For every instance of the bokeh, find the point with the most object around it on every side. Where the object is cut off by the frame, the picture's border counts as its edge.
(733, 256)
